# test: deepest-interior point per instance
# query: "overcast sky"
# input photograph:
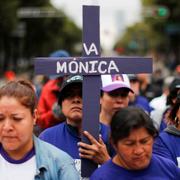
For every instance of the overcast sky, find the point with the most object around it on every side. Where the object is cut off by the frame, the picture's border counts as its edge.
(115, 15)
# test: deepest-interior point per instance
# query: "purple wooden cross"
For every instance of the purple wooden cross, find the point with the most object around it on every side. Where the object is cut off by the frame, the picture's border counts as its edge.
(91, 66)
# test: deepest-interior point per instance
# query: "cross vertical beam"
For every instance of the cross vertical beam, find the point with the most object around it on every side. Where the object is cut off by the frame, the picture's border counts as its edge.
(91, 104)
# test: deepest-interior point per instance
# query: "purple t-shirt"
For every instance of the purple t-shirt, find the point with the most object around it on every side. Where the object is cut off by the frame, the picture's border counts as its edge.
(158, 169)
(65, 137)
(168, 146)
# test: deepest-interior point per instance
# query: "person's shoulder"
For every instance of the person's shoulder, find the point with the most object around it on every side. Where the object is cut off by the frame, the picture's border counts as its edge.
(102, 171)
(108, 164)
(160, 138)
(162, 161)
(163, 144)
(50, 150)
(142, 99)
(164, 135)
(144, 103)
(52, 130)
(104, 126)
(104, 130)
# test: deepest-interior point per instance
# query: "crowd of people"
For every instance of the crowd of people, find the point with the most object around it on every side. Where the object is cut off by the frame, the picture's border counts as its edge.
(40, 133)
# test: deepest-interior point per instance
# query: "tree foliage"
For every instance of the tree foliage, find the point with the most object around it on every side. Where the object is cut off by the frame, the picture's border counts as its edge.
(161, 34)
(8, 18)
(24, 38)
(139, 39)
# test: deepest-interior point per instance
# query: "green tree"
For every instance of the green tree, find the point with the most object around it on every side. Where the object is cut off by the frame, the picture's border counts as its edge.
(45, 35)
(8, 22)
(139, 39)
(25, 38)
(167, 28)
(160, 32)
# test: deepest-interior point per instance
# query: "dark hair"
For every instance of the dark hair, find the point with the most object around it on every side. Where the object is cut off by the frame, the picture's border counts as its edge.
(23, 91)
(68, 92)
(102, 93)
(174, 111)
(172, 95)
(69, 81)
(173, 90)
(127, 119)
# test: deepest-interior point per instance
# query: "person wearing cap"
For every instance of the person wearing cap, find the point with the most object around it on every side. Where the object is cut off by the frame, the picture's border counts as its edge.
(67, 135)
(167, 144)
(132, 135)
(49, 111)
(136, 99)
(114, 95)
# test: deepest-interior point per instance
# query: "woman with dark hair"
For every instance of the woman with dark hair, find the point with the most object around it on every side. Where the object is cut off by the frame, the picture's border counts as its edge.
(168, 142)
(132, 135)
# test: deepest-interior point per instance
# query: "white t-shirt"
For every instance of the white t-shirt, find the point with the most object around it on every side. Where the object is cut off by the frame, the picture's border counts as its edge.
(21, 171)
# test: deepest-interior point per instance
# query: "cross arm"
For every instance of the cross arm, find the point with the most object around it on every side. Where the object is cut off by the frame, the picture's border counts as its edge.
(93, 65)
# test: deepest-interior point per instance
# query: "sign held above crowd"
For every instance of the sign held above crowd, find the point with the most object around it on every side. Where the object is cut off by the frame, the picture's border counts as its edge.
(91, 66)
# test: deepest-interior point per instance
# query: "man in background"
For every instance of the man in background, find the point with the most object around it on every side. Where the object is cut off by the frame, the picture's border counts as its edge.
(49, 111)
